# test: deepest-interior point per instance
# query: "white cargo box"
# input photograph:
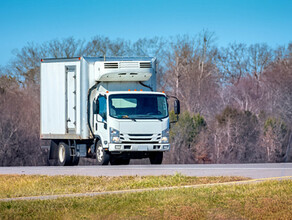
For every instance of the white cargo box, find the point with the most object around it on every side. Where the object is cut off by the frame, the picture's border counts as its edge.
(65, 84)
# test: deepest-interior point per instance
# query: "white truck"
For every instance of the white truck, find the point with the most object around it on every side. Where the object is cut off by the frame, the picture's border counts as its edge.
(105, 108)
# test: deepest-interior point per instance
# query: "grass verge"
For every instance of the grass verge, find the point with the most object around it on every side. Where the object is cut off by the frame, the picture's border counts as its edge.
(12, 186)
(265, 200)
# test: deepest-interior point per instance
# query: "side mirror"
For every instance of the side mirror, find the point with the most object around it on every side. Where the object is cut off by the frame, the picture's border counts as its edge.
(176, 107)
(95, 107)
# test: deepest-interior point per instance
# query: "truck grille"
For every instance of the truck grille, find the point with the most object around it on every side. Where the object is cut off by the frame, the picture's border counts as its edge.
(141, 135)
(140, 142)
(140, 138)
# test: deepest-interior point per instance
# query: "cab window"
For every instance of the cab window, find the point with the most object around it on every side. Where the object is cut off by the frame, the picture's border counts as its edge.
(102, 107)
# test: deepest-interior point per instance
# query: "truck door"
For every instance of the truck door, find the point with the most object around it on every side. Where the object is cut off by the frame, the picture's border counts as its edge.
(101, 119)
(70, 99)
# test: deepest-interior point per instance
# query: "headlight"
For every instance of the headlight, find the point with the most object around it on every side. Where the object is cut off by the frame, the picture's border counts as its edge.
(114, 136)
(165, 136)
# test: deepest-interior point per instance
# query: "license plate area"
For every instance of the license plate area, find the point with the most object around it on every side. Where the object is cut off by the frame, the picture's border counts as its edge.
(142, 148)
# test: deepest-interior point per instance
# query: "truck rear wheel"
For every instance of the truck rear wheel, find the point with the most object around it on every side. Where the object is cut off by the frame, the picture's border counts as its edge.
(51, 162)
(102, 157)
(156, 157)
(52, 158)
(64, 158)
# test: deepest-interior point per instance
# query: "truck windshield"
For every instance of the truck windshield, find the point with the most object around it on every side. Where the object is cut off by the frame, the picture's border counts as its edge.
(138, 106)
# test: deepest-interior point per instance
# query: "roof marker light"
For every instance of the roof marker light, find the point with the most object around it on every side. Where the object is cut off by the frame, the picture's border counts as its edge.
(135, 89)
(141, 90)
(129, 89)
(79, 58)
(42, 60)
(106, 91)
(163, 92)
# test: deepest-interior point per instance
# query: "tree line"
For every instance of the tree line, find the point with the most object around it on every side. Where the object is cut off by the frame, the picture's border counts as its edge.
(236, 100)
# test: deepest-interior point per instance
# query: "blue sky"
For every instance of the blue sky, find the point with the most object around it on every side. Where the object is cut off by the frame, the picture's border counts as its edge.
(246, 21)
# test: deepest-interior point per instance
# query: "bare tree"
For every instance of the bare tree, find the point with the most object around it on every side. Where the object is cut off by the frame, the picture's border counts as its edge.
(19, 128)
(260, 57)
(233, 62)
(191, 73)
(65, 48)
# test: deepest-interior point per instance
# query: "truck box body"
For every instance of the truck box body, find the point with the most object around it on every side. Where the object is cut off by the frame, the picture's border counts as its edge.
(61, 100)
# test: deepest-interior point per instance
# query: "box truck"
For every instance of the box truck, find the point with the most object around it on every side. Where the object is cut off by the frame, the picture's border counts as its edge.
(106, 108)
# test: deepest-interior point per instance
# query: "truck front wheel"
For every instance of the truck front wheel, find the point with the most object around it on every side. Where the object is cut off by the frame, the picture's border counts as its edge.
(64, 158)
(119, 161)
(102, 157)
(156, 157)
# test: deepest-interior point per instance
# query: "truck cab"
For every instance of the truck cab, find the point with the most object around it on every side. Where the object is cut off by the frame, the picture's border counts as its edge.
(131, 125)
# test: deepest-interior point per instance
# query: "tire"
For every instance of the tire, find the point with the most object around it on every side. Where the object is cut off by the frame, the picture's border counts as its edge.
(64, 158)
(52, 162)
(114, 161)
(119, 161)
(156, 157)
(102, 157)
(75, 161)
(125, 161)
(52, 159)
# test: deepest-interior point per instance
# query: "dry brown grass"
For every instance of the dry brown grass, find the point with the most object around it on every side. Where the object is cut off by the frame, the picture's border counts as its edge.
(265, 200)
(25, 185)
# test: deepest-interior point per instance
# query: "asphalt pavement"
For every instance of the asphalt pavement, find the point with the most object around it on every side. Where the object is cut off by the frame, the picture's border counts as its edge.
(266, 170)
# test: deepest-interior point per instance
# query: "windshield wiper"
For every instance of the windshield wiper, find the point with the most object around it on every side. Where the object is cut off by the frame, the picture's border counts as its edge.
(150, 117)
(127, 117)
(158, 118)
(133, 119)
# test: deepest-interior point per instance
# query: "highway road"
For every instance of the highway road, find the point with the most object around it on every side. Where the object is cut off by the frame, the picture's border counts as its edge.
(246, 170)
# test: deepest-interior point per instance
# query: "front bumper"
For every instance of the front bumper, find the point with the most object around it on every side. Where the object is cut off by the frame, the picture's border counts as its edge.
(139, 147)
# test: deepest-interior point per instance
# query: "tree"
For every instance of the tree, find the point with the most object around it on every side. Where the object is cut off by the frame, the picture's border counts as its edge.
(231, 138)
(64, 48)
(260, 58)
(19, 128)
(238, 60)
(277, 80)
(183, 136)
(191, 74)
(233, 62)
(275, 138)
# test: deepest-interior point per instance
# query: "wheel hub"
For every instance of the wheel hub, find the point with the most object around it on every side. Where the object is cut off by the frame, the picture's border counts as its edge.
(62, 153)
(99, 153)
